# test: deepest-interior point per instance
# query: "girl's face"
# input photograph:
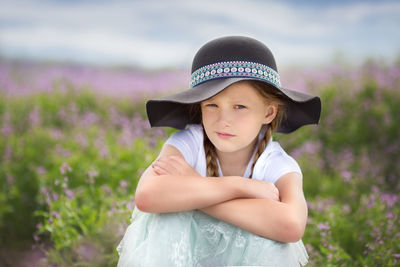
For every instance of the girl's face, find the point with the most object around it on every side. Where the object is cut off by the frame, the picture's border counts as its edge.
(233, 118)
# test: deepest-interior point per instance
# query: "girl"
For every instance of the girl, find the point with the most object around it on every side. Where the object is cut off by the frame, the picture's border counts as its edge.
(221, 192)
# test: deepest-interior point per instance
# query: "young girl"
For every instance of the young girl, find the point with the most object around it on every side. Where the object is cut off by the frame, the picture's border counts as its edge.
(221, 192)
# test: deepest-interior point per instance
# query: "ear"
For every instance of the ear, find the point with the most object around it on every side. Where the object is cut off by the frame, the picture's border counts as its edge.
(270, 113)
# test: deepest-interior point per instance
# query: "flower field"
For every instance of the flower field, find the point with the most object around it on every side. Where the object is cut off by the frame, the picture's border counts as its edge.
(74, 141)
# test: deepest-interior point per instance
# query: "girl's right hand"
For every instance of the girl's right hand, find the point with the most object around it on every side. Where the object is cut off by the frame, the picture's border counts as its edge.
(262, 189)
(173, 165)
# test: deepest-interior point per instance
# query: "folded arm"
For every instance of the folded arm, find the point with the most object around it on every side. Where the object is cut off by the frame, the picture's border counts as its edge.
(283, 221)
(183, 190)
(173, 186)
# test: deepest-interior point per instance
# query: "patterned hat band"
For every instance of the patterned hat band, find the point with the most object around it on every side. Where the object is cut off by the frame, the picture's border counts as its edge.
(231, 69)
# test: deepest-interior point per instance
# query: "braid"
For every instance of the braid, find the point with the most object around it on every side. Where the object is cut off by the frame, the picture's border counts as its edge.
(261, 147)
(211, 157)
(209, 149)
(276, 97)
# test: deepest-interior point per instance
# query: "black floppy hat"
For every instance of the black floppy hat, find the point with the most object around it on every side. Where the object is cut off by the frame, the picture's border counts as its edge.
(217, 65)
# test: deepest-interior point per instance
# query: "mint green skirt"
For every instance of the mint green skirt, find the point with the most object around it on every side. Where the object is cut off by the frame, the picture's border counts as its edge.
(193, 238)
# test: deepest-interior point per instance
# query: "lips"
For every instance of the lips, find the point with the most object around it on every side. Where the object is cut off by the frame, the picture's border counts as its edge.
(224, 135)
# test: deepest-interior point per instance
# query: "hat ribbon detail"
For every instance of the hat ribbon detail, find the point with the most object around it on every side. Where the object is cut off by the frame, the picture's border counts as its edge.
(231, 69)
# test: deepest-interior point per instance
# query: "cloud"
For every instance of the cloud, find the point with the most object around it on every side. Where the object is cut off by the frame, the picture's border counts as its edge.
(168, 33)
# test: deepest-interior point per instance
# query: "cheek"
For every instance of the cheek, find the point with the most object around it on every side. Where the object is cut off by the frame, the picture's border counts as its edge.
(247, 118)
(204, 117)
(208, 116)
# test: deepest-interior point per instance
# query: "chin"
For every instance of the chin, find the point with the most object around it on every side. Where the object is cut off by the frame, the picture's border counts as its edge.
(224, 146)
(225, 149)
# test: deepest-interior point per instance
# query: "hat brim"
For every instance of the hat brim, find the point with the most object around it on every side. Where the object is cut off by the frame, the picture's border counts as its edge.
(172, 110)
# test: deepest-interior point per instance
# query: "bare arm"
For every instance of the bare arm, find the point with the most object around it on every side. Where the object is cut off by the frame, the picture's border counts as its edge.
(172, 186)
(283, 221)
(183, 190)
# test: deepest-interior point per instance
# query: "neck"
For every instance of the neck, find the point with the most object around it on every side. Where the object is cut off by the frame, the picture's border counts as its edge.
(239, 158)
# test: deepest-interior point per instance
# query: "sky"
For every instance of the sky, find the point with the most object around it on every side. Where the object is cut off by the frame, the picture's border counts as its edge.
(158, 34)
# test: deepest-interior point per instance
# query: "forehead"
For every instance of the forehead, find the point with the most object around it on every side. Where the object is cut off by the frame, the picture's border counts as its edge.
(241, 91)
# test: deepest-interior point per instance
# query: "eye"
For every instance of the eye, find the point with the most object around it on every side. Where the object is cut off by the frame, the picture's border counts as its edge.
(239, 107)
(210, 105)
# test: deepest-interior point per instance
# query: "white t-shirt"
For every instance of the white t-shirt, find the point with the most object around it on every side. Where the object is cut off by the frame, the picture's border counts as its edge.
(272, 164)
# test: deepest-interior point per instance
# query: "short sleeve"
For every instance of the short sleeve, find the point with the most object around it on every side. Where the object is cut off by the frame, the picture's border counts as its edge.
(188, 142)
(279, 164)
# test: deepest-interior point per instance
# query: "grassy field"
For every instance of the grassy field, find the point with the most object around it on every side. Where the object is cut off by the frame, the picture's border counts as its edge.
(74, 141)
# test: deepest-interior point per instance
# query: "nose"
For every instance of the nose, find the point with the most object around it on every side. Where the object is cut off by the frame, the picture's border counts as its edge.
(224, 117)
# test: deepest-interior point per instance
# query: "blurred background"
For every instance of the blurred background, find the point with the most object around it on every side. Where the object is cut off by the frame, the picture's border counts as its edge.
(155, 34)
(74, 137)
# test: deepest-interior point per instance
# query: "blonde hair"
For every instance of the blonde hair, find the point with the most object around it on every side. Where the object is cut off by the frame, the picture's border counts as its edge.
(271, 96)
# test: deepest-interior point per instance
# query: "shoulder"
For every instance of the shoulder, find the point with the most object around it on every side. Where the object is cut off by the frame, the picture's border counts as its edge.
(278, 154)
(187, 141)
(193, 133)
(277, 162)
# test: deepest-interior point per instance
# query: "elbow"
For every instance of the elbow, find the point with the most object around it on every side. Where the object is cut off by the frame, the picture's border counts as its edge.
(292, 230)
(143, 201)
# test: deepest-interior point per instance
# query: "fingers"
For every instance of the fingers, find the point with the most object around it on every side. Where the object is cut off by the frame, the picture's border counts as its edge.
(275, 193)
(173, 165)
(172, 162)
(168, 165)
(158, 169)
(270, 191)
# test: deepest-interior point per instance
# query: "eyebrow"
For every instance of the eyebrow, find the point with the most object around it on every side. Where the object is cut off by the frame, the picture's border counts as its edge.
(234, 100)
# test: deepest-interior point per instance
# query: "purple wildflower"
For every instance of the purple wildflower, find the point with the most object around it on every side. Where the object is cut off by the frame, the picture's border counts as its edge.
(323, 226)
(89, 118)
(40, 170)
(346, 176)
(34, 117)
(69, 193)
(8, 154)
(56, 134)
(6, 128)
(81, 139)
(92, 174)
(36, 238)
(389, 199)
(56, 214)
(130, 205)
(62, 151)
(64, 168)
(55, 196)
(106, 189)
(123, 183)
(390, 215)
(100, 144)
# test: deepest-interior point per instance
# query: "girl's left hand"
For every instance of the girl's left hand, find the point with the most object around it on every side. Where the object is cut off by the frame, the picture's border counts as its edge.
(173, 165)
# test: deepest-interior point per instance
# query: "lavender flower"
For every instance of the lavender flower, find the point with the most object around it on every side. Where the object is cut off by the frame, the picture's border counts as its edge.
(64, 168)
(69, 193)
(323, 226)
(56, 214)
(34, 117)
(123, 183)
(92, 174)
(6, 128)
